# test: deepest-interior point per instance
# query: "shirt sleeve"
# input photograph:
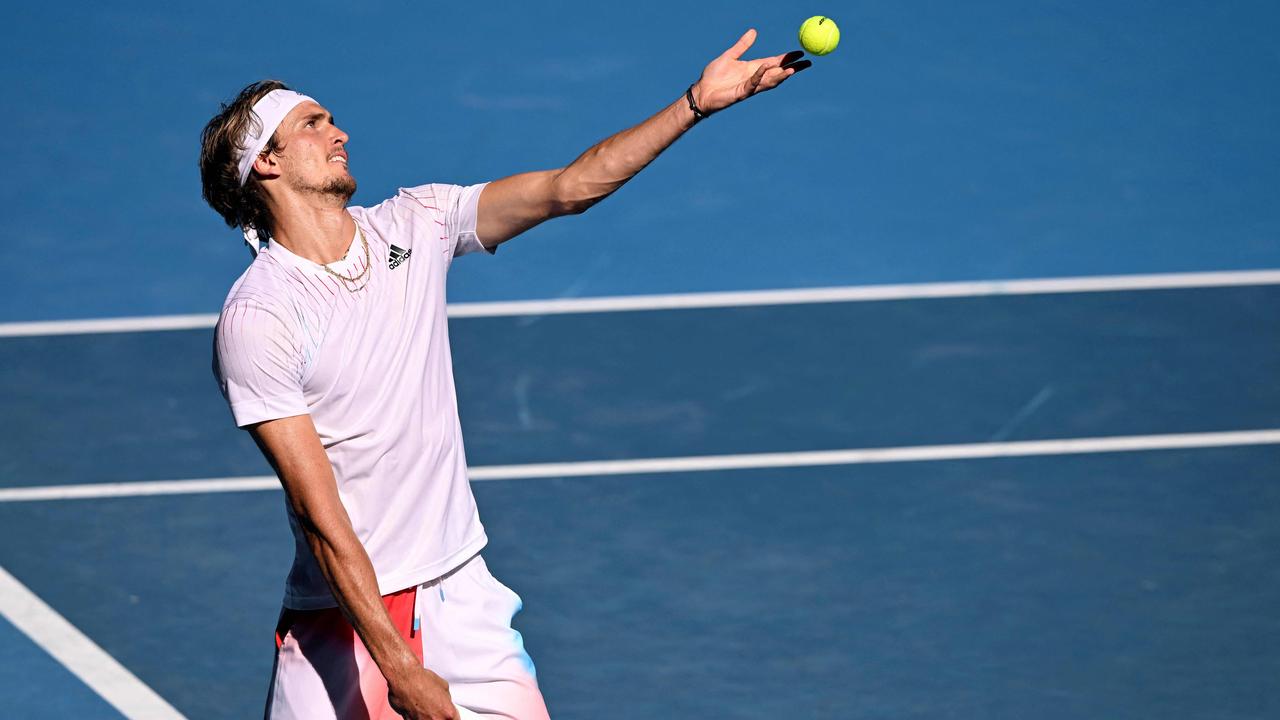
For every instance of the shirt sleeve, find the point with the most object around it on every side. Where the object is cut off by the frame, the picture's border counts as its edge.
(457, 207)
(258, 363)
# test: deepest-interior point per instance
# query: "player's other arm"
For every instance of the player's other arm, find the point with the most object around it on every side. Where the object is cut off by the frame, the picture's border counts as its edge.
(294, 450)
(514, 204)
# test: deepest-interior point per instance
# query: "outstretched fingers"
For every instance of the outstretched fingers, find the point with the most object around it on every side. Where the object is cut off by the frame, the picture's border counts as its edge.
(798, 65)
(785, 60)
(774, 77)
(793, 62)
(769, 77)
(788, 59)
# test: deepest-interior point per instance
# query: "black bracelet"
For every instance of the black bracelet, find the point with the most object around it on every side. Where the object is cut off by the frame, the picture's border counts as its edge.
(697, 114)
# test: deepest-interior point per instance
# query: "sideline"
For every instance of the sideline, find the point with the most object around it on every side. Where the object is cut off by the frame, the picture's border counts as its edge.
(75, 651)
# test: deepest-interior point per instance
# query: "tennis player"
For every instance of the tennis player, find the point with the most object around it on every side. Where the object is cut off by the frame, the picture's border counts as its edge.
(332, 351)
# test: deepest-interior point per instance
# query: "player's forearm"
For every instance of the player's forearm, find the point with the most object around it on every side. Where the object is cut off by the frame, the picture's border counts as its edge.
(609, 164)
(295, 451)
(346, 567)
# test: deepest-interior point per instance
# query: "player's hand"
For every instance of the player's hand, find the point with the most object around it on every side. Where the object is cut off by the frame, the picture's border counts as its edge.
(728, 79)
(422, 695)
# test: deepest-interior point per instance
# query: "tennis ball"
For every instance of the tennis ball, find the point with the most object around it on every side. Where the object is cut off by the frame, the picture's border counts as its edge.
(819, 35)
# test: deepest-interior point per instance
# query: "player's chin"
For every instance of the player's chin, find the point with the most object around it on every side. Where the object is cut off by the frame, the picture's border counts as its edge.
(343, 186)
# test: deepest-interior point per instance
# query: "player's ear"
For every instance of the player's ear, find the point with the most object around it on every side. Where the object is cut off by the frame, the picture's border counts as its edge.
(267, 165)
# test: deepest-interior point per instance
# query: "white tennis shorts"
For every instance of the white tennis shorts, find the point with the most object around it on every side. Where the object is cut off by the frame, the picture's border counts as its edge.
(464, 635)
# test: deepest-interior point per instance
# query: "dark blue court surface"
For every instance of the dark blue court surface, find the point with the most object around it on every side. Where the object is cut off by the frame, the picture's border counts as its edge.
(941, 142)
(1128, 585)
(1116, 585)
(702, 382)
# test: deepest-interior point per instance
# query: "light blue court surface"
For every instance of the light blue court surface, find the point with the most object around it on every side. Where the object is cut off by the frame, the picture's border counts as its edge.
(941, 142)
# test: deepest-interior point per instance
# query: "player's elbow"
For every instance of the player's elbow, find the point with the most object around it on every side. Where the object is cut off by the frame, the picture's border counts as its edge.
(568, 200)
(573, 196)
(575, 208)
(576, 203)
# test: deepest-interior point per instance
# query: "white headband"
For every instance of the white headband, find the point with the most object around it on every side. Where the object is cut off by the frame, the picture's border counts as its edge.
(270, 110)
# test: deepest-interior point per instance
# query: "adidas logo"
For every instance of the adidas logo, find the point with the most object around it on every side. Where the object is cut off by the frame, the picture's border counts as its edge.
(397, 256)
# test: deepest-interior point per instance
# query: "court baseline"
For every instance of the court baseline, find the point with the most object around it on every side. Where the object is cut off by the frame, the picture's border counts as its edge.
(751, 298)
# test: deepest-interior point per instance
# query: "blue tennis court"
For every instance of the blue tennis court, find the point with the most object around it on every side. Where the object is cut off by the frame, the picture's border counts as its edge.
(779, 430)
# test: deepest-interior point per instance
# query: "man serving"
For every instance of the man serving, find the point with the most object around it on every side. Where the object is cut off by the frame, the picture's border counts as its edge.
(332, 351)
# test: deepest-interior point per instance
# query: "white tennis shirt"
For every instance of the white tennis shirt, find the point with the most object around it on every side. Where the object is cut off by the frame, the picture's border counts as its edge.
(371, 366)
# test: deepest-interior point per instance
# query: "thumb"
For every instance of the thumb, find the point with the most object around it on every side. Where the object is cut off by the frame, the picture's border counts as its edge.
(741, 46)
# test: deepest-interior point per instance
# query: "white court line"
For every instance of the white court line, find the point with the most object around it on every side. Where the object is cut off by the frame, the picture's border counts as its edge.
(916, 453)
(79, 654)
(107, 325)
(863, 456)
(855, 293)
(138, 489)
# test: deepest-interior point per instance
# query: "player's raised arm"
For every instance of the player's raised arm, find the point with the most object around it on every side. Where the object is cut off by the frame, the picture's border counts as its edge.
(514, 204)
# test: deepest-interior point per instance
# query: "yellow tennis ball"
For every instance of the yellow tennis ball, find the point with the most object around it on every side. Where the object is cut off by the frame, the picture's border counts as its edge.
(819, 35)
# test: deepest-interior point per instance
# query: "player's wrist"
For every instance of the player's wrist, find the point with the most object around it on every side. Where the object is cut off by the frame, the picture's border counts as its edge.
(402, 671)
(693, 97)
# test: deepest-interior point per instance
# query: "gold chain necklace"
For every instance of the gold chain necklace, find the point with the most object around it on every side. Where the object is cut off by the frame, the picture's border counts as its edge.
(347, 282)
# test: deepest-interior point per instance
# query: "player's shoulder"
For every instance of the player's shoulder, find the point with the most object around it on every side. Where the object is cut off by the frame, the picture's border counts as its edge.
(263, 288)
(434, 196)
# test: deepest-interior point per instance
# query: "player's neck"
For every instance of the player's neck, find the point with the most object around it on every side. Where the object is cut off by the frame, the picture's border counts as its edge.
(318, 231)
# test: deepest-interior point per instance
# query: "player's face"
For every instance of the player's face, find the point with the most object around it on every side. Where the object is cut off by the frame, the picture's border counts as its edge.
(313, 157)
